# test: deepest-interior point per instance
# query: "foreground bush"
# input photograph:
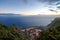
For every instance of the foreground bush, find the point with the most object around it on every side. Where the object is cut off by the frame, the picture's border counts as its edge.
(51, 34)
(12, 33)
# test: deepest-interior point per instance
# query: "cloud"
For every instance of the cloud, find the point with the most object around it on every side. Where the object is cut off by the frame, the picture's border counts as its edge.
(49, 1)
(58, 7)
(54, 4)
(53, 10)
(58, 3)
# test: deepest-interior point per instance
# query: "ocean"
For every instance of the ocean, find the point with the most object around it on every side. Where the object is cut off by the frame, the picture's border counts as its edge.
(26, 21)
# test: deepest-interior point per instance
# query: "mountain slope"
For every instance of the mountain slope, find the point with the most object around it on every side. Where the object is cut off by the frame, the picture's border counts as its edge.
(53, 31)
(55, 22)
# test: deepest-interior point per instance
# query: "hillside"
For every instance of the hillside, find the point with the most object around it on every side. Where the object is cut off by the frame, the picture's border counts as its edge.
(53, 31)
(55, 22)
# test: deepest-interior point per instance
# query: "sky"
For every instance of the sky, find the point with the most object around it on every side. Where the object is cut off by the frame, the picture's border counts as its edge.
(30, 7)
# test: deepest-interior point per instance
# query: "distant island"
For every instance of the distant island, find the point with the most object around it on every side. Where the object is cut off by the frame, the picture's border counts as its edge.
(9, 14)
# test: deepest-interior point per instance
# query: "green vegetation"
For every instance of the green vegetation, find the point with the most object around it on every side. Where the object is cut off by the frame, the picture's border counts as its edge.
(12, 33)
(53, 31)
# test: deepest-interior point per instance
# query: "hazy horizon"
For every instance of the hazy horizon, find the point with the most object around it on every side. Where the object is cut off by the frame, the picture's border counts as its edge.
(26, 21)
